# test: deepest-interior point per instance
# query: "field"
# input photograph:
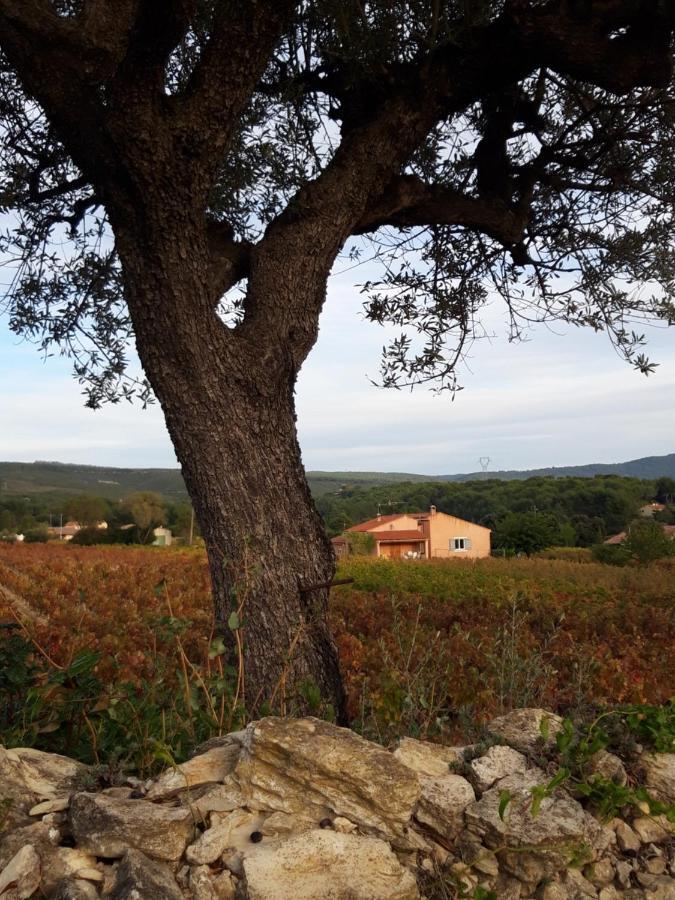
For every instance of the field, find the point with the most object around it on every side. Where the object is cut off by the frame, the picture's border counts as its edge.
(121, 641)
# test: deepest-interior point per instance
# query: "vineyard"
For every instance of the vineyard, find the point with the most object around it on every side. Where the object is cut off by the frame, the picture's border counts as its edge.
(113, 649)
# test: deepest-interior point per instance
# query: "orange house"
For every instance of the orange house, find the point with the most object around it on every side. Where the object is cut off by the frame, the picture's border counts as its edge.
(430, 535)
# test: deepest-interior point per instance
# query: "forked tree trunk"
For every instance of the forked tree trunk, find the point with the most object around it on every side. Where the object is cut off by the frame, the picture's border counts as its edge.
(230, 414)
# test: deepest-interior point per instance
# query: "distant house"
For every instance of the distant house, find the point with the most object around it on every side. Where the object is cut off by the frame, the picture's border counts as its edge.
(162, 537)
(68, 531)
(429, 535)
(650, 509)
(668, 530)
(65, 532)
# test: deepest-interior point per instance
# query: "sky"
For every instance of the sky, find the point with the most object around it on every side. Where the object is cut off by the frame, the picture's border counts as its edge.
(562, 397)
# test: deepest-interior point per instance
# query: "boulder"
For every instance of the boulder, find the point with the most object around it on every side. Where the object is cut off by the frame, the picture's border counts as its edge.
(326, 865)
(20, 878)
(230, 832)
(207, 885)
(652, 829)
(659, 775)
(577, 886)
(523, 729)
(107, 827)
(426, 758)
(532, 847)
(497, 763)
(210, 767)
(600, 873)
(141, 878)
(608, 766)
(212, 798)
(442, 803)
(39, 835)
(313, 769)
(30, 776)
(74, 889)
(626, 838)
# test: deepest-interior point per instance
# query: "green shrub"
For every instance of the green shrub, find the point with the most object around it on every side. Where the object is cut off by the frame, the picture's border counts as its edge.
(611, 554)
(571, 554)
(36, 536)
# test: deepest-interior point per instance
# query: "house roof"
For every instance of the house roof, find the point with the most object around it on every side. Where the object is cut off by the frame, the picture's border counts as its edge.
(379, 520)
(390, 537)
(621, 536)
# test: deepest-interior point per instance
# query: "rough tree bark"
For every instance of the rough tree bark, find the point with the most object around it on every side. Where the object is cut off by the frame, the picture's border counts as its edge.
(229, 405)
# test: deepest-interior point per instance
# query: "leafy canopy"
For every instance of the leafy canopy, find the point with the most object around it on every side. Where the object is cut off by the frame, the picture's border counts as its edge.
(540, 169)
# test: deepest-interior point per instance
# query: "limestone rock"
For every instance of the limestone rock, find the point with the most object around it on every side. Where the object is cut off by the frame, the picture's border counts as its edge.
(652, 829)
(626, 838)
(522, 728)
(577, 886)
(205, 885)
(21, 874)
(50, 806)
(532, 847)
(600, 872)
(607, 765)
(325, 865)
(74, 889)
(213, 766)
(659, 771)
(442, 803)
(29, 776)
(609, 892)
(231, 832)
(553, 890)
(207, 799)
(313, 768)
(139, 877)
(107, 827)
(426, 758)
(11, 841)
(497, 763)
(282, 825)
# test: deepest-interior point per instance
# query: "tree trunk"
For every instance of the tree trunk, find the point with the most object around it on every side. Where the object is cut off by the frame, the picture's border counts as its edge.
(229, 409)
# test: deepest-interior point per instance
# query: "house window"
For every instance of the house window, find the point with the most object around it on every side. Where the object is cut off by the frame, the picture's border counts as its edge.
(460, 543)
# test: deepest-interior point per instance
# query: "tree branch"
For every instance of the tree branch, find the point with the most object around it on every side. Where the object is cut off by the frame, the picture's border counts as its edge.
(230, 259)
(242, 38)
(409, 202)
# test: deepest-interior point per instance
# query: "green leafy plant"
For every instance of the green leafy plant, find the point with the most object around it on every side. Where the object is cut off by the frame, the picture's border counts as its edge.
(578, 744)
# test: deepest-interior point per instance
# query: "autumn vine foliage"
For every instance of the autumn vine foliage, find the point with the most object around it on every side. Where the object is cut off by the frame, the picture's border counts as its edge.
(120, 641)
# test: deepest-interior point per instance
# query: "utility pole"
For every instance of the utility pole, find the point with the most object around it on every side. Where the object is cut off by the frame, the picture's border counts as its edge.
(192, 525)
(484, 464)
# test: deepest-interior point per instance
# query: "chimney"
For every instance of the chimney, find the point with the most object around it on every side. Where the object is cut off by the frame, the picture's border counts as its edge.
(432, 510)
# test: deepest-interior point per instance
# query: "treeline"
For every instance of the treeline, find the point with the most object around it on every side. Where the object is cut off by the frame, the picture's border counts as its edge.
(525, 516)
(144, 510)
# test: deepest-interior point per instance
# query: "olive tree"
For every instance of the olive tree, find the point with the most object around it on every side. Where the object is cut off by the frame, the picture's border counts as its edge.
(187, 172)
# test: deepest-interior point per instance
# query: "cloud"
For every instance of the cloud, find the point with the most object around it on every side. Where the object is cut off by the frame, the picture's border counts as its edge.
(563, 398)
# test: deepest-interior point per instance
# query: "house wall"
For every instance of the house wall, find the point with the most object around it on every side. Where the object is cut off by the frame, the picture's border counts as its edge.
(443, 529)
(403, 523)
(400, 548)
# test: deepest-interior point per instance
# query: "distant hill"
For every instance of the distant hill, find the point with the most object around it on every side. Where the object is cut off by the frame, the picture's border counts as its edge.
(53, 477)
(647, 467)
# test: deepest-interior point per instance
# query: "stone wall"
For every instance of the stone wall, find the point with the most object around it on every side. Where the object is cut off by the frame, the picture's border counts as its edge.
(298, 809)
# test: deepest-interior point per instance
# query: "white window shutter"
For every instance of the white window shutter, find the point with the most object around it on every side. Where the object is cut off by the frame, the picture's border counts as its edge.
(467, 543)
